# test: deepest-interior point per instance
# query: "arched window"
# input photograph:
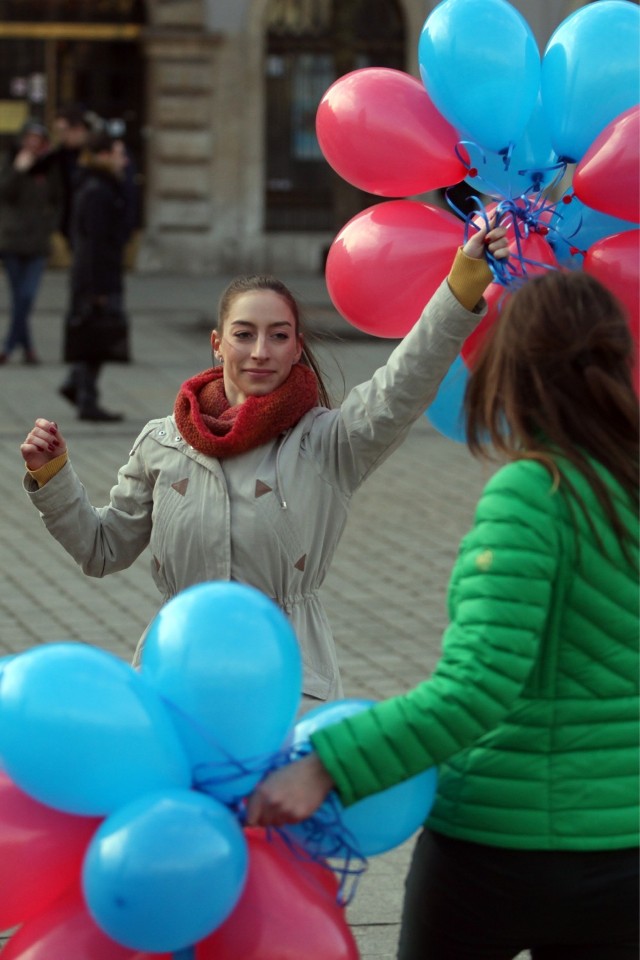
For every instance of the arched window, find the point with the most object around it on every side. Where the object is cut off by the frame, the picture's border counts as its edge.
(310, 43)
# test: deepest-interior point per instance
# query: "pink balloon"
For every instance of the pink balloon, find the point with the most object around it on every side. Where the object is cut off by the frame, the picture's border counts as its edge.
(496, 297)
(288, 910)
(66, 931)
(41, 853)
(615, 262)
(387, 262)
(608, 176)
(379, 130)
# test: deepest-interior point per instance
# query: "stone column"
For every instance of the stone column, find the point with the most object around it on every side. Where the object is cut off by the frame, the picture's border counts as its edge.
(180, 139)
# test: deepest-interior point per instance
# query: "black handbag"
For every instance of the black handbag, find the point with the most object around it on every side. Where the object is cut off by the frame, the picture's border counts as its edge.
(97, 334)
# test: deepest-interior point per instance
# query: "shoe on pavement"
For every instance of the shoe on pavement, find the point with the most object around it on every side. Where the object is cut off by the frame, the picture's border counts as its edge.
(31, 358)
(69, 392)
(98, 415)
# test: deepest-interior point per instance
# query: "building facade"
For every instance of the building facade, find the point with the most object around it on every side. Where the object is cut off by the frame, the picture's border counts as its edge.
(219, 100)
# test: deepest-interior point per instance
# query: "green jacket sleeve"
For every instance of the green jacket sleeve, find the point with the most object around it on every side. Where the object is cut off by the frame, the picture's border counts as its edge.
(499, 598)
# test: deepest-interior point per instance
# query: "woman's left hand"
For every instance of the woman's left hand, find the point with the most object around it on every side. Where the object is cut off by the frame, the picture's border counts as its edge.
(289, 794)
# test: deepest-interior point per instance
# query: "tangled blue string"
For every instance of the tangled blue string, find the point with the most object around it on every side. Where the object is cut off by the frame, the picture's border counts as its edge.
(323, 836)
(530, 212)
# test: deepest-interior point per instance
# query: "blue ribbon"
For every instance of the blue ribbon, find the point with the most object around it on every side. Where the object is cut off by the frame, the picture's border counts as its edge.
(530, 212)
(325, 836)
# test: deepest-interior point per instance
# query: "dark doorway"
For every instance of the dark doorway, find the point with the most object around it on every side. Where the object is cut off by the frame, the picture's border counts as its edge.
(308, 47)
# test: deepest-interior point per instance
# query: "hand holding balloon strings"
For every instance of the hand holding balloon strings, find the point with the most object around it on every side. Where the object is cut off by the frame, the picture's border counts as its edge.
(298, 790)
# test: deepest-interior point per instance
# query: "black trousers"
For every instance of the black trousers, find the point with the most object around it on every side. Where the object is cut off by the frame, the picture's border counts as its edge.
(467, 901)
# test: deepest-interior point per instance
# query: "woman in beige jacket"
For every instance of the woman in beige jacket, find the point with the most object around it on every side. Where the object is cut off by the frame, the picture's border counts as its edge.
(251, 477)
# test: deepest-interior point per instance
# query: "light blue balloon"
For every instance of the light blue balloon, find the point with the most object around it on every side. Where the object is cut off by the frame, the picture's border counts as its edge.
(81, 731)
(165, 871)
(532, 166)
(575, 227)
(446, 413)
(226, 659)
(590, 73)
(379, 822)
(480, 64)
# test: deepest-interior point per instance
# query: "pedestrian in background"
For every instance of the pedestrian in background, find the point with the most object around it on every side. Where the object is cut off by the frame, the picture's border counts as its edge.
(30, 203)
(72, 126)
(531, 715)
(96, 327)
(251, 479)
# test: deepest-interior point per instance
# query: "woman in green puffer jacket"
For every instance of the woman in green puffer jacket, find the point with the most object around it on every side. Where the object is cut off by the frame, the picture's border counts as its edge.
(532, 712)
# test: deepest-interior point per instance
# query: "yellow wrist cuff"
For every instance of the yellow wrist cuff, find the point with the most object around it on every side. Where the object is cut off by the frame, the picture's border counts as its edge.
(468, 279)
(48, 470)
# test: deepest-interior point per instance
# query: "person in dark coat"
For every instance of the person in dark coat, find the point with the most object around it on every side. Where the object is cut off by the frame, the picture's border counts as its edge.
(98, 234)
(72, 126)
(30, 203)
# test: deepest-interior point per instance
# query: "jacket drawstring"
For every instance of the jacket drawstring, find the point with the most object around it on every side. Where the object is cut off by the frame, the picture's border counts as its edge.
(279, 491)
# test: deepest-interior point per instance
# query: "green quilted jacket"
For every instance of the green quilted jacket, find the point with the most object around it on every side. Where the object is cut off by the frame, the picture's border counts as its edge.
(532, 712)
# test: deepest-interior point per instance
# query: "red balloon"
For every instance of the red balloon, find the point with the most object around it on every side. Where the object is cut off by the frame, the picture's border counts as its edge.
(532, 248)
(41, 853)
(495, 295)
(607, 178)
(288, 910)
(66, 931)
(380, 131)
(387, 262)
(615, 262)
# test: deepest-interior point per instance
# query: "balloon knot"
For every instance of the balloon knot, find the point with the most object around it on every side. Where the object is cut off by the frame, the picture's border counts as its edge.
(567, 198)
(473, 172)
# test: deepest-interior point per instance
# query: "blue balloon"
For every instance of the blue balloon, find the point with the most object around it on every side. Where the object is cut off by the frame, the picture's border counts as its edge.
(165, 870)
(590, 73)
(480, 64)
(81, 731)
(446, 413)
(226, 659)
(574, 227)
(532, 166)
(5, 660)
(379, 822)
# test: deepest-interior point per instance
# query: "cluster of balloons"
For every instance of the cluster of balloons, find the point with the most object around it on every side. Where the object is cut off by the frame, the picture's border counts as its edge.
(515, 125)
(122, 793)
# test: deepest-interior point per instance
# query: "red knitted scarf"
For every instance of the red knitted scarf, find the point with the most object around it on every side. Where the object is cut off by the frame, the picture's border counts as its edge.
(208, 423)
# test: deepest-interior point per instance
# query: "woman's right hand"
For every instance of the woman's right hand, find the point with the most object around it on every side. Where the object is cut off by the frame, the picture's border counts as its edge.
(43, 443)
(487, 237)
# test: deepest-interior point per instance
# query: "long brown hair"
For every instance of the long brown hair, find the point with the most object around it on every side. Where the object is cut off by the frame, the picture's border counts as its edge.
(553, 379)
(246, 284)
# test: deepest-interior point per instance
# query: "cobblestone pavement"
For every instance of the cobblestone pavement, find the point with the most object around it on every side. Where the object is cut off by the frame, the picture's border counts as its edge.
(385, 593)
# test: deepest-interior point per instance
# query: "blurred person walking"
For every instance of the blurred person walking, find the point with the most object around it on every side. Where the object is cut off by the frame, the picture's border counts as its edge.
(96, 326)
(30, 203)
(72, 127)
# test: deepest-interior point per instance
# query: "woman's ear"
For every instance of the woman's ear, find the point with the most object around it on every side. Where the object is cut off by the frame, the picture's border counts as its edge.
(216, 340)
(300, 348)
